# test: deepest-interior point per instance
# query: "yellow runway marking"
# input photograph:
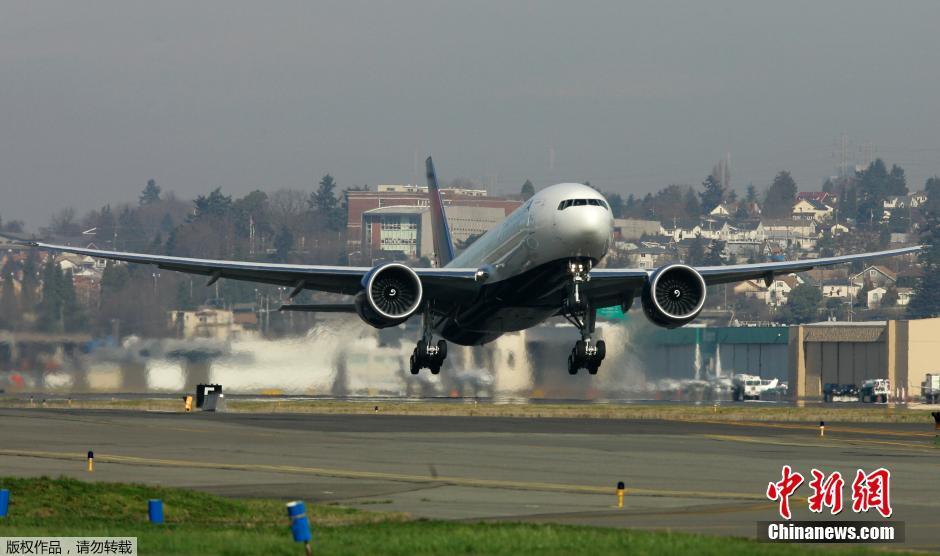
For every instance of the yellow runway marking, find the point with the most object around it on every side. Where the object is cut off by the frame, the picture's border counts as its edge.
(376, 475)
(828, 443)
(797, 426)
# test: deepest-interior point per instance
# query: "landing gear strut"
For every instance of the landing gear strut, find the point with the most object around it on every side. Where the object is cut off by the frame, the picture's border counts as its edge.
(586, 354)
(427, 354)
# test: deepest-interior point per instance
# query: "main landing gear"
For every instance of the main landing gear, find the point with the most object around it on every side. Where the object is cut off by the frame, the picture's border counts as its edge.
(586, 354)
(426, 354)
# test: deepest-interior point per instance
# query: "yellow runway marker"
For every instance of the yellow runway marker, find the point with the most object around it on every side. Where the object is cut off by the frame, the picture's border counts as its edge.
(378, 475)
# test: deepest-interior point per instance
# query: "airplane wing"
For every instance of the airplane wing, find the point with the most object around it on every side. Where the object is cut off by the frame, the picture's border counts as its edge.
(607, 285)
(446, 282)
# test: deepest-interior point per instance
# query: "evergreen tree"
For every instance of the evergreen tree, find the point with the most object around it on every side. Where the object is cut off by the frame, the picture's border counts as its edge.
(696, 251)
(73, 314)
(283, 242)
(528, 190)
(692, 206)
(780, 197)
(30, 284)
(9, 303)
(803, 304)
(751, 196)
(713, 194)
(213, 204)
(150, 194)
(616, 204)
(50, 308)
(713, 258)
(926, 299)
(323, 200)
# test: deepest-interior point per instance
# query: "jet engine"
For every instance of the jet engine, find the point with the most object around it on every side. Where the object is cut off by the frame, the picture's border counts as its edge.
(390, 294)
(673, 295)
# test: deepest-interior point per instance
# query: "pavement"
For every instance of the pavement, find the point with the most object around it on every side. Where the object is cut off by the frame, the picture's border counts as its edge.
(702, 476)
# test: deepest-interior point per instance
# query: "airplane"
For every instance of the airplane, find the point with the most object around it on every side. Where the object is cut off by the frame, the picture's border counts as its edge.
(540, 262)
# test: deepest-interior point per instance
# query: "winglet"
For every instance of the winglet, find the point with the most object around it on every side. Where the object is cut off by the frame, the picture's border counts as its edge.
(443, 244)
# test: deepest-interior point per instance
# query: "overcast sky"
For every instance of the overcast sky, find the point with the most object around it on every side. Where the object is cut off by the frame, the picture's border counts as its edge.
(97, 97)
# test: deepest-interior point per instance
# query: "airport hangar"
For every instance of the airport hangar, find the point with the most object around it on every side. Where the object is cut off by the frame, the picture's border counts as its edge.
(806, 356)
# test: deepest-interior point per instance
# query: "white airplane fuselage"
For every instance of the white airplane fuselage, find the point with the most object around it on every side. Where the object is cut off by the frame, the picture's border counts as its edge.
(526, 259)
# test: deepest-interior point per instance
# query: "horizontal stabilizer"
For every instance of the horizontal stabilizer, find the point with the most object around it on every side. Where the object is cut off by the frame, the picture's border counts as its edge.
(322, 308)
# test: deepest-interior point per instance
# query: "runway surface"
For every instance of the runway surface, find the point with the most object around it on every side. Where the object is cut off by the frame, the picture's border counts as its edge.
(701, 476)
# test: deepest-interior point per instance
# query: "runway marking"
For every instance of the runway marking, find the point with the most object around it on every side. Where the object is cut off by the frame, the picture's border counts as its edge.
(829, 443)
(378, 475)
(796, 426)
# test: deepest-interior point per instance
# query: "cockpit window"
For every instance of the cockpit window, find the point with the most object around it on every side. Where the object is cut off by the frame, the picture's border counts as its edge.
(582, 202)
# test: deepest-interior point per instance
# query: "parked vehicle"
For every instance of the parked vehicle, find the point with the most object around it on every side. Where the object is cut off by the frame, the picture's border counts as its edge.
(750, 387)
(930, 388)
(875, 390)
(833, 392)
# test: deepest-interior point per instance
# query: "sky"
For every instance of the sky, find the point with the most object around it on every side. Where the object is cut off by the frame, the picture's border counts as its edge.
(98, 97)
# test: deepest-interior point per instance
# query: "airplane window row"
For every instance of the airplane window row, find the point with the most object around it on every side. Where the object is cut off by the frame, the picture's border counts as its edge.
(582, 202)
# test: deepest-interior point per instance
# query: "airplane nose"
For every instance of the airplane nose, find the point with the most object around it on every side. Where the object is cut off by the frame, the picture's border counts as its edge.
(585, 229)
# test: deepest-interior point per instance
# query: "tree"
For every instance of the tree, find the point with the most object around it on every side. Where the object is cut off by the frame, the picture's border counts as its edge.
(713, 258)
(213, 204)
(30, 282)
(692, 206)
(873, 185)
(150, 194)
(616, 204)
(696, 251)
(778, 203)
(323, 200)
(713, 194)
(926, 299)
(803, 304)
(9, 303)
(283, 243)
(890, 298)
(751, 195)
(74, 318)
(528, 190)
(50, 308)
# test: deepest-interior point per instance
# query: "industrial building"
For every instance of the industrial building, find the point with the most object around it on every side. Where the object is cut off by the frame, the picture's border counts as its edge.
(806, 356)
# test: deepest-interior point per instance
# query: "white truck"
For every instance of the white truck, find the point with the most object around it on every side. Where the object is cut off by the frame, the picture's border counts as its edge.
(750, 387)
(930, 388)
(875, 390)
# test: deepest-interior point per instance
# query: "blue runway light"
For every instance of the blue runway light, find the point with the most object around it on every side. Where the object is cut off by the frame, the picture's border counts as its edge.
(299, 524)
(4, 502)
(155, 511)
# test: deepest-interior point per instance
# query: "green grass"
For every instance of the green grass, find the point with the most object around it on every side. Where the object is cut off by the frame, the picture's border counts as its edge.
(199, 523)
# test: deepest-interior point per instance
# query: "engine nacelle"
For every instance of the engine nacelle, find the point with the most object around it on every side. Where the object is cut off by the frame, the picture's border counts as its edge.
(673, 295)
(390, 294)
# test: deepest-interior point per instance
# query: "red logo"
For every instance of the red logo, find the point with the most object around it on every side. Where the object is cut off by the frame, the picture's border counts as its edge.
(869, 491)
(827, 492)
(783, 489)
(872, 491)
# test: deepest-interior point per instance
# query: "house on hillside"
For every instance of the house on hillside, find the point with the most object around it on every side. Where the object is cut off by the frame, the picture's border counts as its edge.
(877, 275)
(791, 233)
(812, 210)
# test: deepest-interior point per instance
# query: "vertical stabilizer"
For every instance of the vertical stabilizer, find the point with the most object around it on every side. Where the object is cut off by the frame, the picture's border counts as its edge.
(443, 244)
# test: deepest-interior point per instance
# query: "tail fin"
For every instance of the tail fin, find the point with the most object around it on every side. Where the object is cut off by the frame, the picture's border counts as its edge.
(443, 244)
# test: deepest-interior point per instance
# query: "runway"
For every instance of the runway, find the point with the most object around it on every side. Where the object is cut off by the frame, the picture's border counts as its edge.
(700, 476)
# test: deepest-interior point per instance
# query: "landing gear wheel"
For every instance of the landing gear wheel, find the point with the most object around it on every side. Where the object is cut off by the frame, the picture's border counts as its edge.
(601, 351)
(572, 368)
(580, 350)
(592, 368)
(436, 368)
(441, 349)
(414, 368)
(422, 349)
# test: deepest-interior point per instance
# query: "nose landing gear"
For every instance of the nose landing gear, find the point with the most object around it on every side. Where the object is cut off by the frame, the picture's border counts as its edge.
(586, 354)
